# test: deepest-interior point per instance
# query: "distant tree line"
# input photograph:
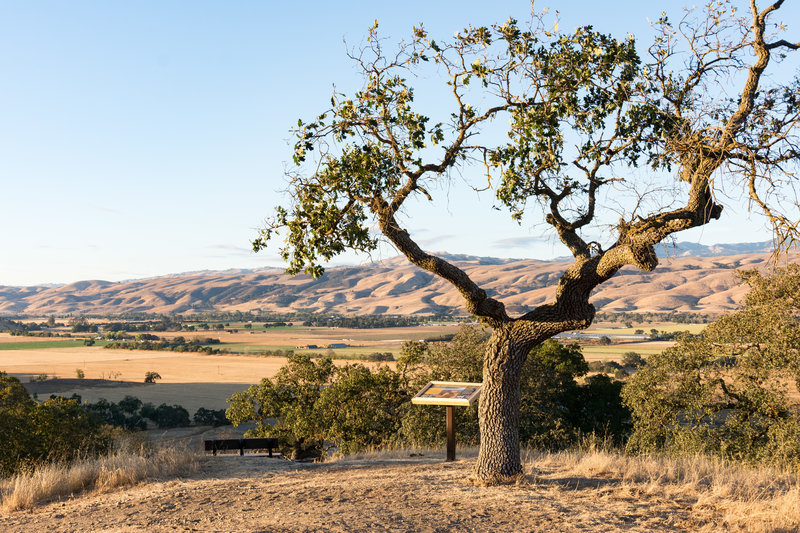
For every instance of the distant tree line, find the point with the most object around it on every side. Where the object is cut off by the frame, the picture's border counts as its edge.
(132, 414)
(176, 344)
(174, 322)
(366, 322)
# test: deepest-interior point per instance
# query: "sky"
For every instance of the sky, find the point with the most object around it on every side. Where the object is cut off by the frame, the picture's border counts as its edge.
(140, 139)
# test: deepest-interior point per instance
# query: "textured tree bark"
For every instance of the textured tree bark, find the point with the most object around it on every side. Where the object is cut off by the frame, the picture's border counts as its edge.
(498, 411)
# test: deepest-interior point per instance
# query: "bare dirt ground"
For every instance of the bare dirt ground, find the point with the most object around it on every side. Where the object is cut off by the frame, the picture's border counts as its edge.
(411, 494)
(398, 492)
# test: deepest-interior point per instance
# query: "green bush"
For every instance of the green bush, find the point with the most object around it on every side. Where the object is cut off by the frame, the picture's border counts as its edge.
(130, 404)
(170, 416)
(380, 356)
(58, 429)
(210, 417)
(124, 414)
(608, 367)
(362, 408)
(729, 392)
(285, 406)
(632, 360)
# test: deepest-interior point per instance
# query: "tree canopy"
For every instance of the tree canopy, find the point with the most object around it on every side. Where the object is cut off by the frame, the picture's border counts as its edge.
(592, 118)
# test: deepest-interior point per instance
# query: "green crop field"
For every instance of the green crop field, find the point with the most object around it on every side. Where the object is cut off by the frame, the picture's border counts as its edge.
(615, 351)
(41, 345)
(354, 352)
(236, 347)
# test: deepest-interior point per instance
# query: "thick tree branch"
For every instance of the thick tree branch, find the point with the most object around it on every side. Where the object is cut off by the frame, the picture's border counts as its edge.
(476, 300)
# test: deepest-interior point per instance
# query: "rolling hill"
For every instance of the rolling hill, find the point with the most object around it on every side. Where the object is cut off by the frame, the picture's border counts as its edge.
(393, 286)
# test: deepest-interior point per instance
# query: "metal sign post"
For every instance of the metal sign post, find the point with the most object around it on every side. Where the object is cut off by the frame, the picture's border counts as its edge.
(449, 394)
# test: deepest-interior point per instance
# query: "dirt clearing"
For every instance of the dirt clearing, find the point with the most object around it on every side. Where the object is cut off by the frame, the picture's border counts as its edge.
(396, 492)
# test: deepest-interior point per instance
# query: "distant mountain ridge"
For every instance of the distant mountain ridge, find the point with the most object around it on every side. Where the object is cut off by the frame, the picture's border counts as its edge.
(699, 283)
(690, 249)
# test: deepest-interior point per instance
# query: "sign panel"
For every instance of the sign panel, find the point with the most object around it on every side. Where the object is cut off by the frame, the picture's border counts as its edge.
(448, 393)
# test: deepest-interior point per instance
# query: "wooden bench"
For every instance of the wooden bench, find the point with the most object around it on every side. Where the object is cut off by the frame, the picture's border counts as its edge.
(216, 445)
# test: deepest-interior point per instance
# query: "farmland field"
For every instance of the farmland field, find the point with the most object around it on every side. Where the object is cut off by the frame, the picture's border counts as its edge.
(198, 380)
(39, 344)
(606, 329)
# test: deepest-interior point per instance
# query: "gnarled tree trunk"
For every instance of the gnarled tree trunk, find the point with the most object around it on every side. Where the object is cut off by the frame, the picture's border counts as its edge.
(498, 414)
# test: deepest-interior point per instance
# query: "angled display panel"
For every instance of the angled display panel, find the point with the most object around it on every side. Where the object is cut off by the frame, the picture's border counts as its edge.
(448, 393)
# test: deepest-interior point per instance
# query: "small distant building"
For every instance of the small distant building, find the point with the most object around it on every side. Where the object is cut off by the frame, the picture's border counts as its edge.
(337, 345)
(307, 347)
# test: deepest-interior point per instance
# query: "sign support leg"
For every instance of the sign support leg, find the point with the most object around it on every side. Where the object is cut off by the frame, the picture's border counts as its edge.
(451, 434)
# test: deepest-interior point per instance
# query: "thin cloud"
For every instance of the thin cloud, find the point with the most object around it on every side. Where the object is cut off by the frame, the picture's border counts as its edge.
(232, 248)
(518, 242)
(435, 240)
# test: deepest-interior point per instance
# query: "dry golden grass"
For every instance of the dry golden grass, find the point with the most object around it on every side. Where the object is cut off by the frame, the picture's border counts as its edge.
(126, 465)
(723, 496)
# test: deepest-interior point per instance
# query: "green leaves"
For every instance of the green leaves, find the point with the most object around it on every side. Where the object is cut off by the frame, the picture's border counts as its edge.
(289, 400)
(728, 392)
(54, 430)
(586, 83)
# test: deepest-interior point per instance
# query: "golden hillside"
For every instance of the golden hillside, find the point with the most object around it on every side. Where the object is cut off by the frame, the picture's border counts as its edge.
(393, 286)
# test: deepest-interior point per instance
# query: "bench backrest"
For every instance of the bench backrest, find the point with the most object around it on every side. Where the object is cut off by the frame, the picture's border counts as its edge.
(216, 445)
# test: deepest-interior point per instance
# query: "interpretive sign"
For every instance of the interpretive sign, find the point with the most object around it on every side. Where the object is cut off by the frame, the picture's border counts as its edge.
(448, 393)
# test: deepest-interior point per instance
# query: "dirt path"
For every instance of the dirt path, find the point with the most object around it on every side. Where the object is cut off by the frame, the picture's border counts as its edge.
(421, 494)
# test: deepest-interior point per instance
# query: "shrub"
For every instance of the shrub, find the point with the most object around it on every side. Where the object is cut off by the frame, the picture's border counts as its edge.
(729, 392)
(608, 367)
(380, 356)
(361, 408)
(148, 410)
(151, 376)
(210, 417)
(289, 399)
(632, 360)
(57, 429)
(130, 404)
(171, 416)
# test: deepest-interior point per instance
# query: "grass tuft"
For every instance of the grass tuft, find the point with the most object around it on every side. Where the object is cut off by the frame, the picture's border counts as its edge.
(749, 498)
(126, 465)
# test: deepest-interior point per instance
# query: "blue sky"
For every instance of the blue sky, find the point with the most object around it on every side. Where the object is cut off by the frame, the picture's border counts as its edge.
(146, 138)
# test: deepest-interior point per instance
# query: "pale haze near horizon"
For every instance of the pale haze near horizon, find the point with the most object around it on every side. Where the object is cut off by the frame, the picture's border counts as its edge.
(149, 138)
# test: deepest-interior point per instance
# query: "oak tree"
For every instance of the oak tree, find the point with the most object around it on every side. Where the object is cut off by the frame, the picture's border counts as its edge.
(591, 119)
(733, 391)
